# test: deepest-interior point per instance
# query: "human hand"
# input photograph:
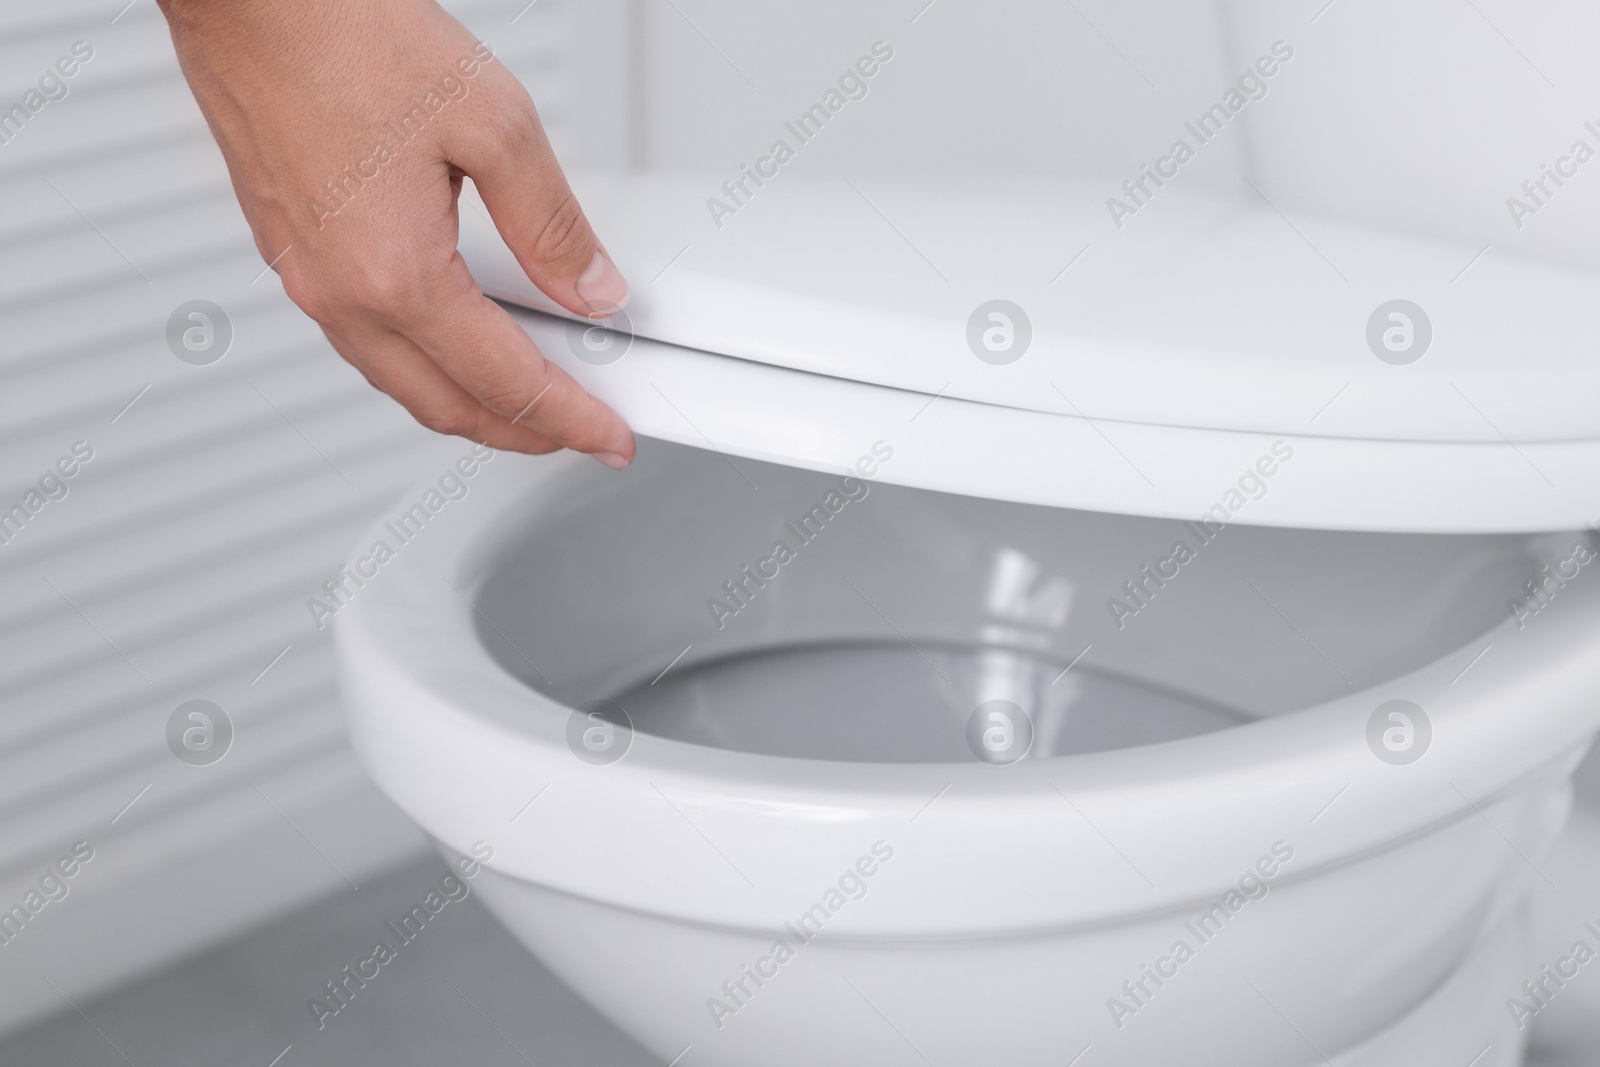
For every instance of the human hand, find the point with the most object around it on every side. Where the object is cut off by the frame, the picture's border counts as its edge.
(347, 129)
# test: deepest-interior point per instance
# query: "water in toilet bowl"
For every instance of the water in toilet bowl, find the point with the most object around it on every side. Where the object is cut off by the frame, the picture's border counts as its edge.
(892, 703)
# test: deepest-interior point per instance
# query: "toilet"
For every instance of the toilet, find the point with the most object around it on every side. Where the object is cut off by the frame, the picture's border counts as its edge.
(991, 662)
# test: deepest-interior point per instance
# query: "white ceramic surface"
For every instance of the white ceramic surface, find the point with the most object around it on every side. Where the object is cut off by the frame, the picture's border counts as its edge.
(1018, 899)
(1211, 313)
(745, 408)
(1159, 369)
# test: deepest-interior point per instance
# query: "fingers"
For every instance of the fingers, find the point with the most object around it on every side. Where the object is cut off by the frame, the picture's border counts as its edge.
(485, 352)
(399, 368)
(381, 273)
(533, 207)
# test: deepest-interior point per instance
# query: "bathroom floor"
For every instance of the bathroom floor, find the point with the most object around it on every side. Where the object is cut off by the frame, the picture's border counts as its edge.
(464, 993)
(461, 992)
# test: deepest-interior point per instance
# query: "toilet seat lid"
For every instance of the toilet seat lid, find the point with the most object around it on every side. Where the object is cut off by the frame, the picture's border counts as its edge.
(1055, 352)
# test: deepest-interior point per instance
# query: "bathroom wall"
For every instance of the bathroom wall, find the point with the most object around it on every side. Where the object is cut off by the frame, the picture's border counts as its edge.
(217, 498)
(1423, 117)
(1428, 116)
(1094, 87)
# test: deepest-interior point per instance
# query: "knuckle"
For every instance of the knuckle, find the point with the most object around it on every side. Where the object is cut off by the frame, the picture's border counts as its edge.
(526, 399)
(386, 289)
(516, 404)
(455, 420)
(568, 425)
(309, 296)
(565, 236)
(514, 128)
(506, 403)
(391, 287)
(507, 114)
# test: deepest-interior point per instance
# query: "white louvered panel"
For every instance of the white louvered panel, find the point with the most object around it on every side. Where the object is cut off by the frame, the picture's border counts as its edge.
(178, 565)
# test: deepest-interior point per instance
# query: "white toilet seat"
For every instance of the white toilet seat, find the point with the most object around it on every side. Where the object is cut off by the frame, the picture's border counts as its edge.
(809, 420)
(1157, 369)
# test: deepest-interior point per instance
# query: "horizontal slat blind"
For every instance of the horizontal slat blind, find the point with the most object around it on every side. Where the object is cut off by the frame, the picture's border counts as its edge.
(178, 564)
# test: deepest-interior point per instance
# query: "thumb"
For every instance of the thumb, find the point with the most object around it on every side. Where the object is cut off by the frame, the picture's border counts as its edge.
(539, 217)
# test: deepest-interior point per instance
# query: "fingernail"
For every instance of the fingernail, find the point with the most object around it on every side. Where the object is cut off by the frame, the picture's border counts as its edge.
(610, 459)
(602, 287)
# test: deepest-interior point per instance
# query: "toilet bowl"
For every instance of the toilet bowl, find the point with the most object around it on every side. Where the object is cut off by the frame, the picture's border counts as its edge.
(867, 722)
(804, 775)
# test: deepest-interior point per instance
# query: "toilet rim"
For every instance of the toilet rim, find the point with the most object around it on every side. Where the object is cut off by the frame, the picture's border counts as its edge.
(423, 693)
